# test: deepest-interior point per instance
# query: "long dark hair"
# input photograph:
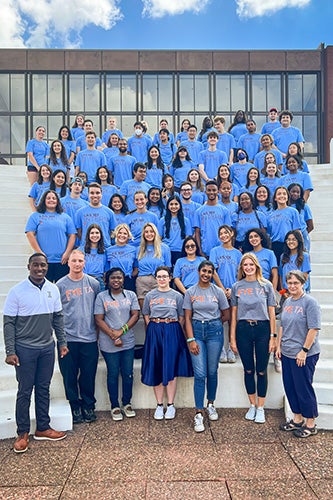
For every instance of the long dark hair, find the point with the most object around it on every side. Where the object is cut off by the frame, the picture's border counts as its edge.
(41, 207)
(63, 189)
(180, 217)
(177, 163)
(100, 244)
(207, 123)
(69, 138)
(124, 207)
(186, 240)
(160, 204)
(39, 175)
(285, 257)
(235, 122)
(63, 154)
(248, 177)
(299, 204)
(268, 204)
(159, 161)
(265, 239)
(108, 179)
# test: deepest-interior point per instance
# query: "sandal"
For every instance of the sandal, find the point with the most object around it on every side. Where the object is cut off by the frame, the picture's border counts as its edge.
(290, 425)
(305, 432)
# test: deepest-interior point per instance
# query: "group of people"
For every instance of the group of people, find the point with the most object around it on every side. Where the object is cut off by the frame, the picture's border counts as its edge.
(193, 231)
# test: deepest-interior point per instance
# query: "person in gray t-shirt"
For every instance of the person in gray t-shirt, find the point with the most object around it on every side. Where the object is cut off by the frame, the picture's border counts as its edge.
(298, 348)
(253, 330)
(78, 292)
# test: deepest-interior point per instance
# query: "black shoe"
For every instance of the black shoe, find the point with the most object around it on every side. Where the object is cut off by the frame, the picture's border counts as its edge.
(88, 415)
(77, 416)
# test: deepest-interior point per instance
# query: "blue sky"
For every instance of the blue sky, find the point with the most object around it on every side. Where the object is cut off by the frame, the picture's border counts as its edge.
(167, 24)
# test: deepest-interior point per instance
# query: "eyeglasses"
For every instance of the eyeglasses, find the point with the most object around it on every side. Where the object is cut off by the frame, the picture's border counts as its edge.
(186, 189)
(190, 246)
(291, 240)
(164, 277)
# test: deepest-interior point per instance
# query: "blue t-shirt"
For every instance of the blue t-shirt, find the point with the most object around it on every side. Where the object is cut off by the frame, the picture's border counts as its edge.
(95, 263)
(121, 168)
(107, 133)
(226, 262)
(180, 174)
(203, 138)
(211, 160)
(156, 138)
(208, 219)
(52, 231)
(40, 151)
(199, 196)
(300, 178)
(77, 132)
(259, 159)
(193, 148)
(37, 190)
(305, 169)
(268, 127)
(138, 147)
(232, 207)
(292, 266)
(238, 173)
(250, 143)
(284, 136)
(267, 261)
(242, 222)
(70, 147)
(102, 216)
(148, 263)
(59, 165)
(238, 130)
(154, 176)
(167, 152)
(175, 241)
(122, 256)
(187, 270)
(280, 221)
(81, 143)
(110, 153)
(136, 221)
(107, 191)
(88, 161)
(272, 184)
(129, 188)
(189, 210)
(182, 136)
(225, 143)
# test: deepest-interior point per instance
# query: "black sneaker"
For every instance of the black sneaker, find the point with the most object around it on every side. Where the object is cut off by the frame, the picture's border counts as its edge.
(88, 415)
(77, 416)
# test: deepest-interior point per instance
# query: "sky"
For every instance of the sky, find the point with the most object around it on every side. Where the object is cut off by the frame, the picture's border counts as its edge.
(166, 24)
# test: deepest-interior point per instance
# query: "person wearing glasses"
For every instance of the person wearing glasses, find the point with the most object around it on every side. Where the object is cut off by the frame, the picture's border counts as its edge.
(185, 272)
(165, 355)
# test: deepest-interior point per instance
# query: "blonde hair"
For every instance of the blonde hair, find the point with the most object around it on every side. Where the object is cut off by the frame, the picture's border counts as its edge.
(241, 275)
(143, 243)
(122, 226)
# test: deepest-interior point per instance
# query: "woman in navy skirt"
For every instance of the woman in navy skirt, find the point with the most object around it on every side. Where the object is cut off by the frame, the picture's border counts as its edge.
(165, 356)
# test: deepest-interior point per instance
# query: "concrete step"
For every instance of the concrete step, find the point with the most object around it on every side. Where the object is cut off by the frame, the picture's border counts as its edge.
(21, 247)
(7, 284)
(13, 272)
(321, 236)
(324, 391)
(323, 295)
(327, 313)
(324, 371)
(320, 282)
(326, 331)
(326, 349)
(324, 420)
(321, 257)
(18, 259)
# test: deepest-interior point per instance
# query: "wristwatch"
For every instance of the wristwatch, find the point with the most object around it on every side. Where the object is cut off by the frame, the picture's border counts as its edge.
(305, 349)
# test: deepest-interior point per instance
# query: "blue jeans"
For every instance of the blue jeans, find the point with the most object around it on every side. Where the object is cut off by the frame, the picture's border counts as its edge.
(209, 337)
(35, 371)
(122, 362)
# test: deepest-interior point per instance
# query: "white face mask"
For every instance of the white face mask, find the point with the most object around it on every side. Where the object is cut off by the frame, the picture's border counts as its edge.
(138, 131)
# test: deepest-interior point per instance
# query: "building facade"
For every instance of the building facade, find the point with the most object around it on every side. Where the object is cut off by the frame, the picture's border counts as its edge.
(49, 87)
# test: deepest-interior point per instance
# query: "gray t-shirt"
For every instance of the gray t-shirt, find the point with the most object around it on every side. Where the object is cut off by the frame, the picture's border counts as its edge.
(252, 299)
(299, 316)
(167, 305)
(78, 299)
(116, 312)
(205, 303)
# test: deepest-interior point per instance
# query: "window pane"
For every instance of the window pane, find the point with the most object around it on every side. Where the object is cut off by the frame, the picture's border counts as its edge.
(186, 93)
(39, 93)
(4, 135)
(237, 92)
(113, 87)
(39, 121)
(260, 120)
(259, 93)
(152, 121)
(295, 92)
(18, 134)
(309, 92)
(17, 93)
(54, 93)
(310, 133)
(223, 93)
(91, 95)
(202, 93)
(76, 93)
(127, 125)
(4, 92)
(53, 126)
(149, 91)
(165, 93)
(129, 89)
(273, 92)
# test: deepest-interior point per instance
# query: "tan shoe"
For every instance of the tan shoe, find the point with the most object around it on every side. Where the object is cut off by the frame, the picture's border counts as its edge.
(21, 443)
(49, 435)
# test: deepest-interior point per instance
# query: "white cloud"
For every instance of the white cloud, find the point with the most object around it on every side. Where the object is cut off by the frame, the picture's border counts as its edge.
(254, 8)
(160, 8)
(47, 23)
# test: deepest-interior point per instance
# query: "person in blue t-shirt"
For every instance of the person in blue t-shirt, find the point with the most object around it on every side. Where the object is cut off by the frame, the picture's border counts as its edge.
(111, 148)
(258, 242)
(238, 127)
(59, 158)
(112, 129)
(182, 135)
(119, 207)
(225, 193)
(139, 217)
(38, 152)
(166, 146)
(95, 254)
(286, 134)
(246, 217)
(239, 169)
(305, 215)
(207, 127)
(198, 188)
(77, 128)
(139, 143)
(193, 146)
(65, 136)
(164, 124)
(252, 181)
(155, 167)
(226, 141)
(129, 188)
(189, 206)
(272, 123)
(251, 140)
(122, 254)
(223, 174)
(210, 159)
(103, 177)
(262, 200)
(89, 159)
(81, 142)
(58, 183)
(185, 271)
(294, 149)
(39, 187)
(155, 202)
(121, 165)
(294, 257)
(181, 165)
(294, 175)
(266, 142)
(270, 174)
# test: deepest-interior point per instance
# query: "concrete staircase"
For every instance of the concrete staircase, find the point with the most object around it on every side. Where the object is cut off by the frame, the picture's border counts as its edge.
(14, 251)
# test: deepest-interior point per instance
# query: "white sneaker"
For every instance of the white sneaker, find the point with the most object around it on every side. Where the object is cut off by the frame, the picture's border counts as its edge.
(223, 357)
(212, 413)
(170, 412)
(251, 413)
(231, 356)
(198, 423)
(116, 414)
(128, 411)
(277, 365)
(159, 413)
(260, 416)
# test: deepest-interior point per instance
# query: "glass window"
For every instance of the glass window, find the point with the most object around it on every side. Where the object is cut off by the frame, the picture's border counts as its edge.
(53, 126)
(310, 132)
(54, 93)
(149, 93)
(273, 92)
(76, 101)
(113, 93)
(165, 93)
(238, 90)
(91, 93)
(202, 93)
(127, 125)
(5, 135)
(4, 92)
(259, 102)
(260, 120)
(222, 93)
(309, 92)
(17, 93)
(39, 93)
(153, 124)
(18, 135)
(295, 92)
(186, 93)
(39, 121)
(129, 93)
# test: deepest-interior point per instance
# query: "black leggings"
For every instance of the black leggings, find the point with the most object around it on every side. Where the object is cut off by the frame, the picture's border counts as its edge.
(254, 340)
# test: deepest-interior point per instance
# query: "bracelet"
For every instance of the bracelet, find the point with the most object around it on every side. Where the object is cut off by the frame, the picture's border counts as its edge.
(274, 335)
(190, 340)
(125, 329)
